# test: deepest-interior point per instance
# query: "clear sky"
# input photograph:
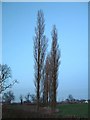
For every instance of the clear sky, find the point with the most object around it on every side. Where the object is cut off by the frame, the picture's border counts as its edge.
(0, 32)
(71, 20)
(45, 0)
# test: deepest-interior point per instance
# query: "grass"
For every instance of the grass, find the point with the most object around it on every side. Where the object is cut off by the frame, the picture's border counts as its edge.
(29, 111)
(78, 110)
(22, 111)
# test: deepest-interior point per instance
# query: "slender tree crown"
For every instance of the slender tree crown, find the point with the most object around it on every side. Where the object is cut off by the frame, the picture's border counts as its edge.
(40, 45)
(55, 62)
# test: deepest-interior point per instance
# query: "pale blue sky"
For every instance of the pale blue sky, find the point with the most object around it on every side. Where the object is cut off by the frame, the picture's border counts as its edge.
(71, 20)
(0, 32)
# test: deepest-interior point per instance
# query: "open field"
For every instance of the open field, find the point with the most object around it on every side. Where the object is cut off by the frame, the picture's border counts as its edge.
(29, 111)
(78, 110)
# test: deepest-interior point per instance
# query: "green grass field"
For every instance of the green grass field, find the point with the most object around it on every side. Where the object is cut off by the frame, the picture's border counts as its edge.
(78, 110)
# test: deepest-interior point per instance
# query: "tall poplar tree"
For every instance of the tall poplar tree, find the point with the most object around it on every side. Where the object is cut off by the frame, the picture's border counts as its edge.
(55, 62)
(40, 45)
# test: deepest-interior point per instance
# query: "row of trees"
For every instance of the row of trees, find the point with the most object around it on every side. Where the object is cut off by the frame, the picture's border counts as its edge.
(9, 96)
(46, 65)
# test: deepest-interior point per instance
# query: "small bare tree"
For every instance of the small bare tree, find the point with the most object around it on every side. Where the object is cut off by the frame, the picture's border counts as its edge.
(8, 97)
(21, 99)
(40, 45)
(5, 74)
(27, 97)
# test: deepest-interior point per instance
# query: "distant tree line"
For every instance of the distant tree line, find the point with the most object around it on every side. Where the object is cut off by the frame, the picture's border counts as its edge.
(28, 98)
(71, 100)
(46, 64)
(9, 97)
